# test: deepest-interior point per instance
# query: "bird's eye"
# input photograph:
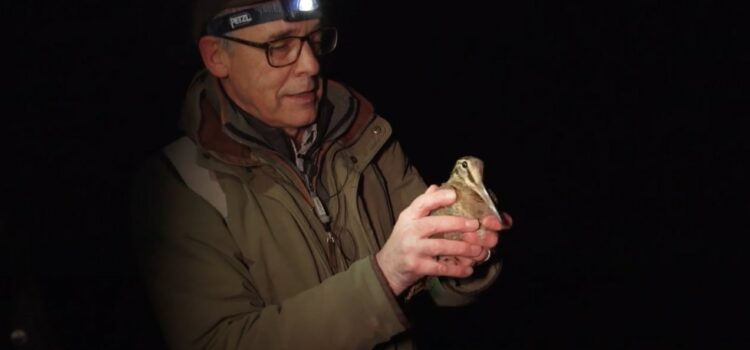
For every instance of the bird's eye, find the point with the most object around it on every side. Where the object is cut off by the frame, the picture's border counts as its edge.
(464, 164)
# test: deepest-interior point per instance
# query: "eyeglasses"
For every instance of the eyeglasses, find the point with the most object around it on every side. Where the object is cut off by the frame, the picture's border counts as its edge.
(285, 51)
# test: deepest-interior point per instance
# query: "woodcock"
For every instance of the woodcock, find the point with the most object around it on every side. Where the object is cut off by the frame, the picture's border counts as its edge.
(473, 200)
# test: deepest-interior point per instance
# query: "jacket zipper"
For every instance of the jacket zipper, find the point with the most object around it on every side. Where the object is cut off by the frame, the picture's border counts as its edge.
(311, 196)
(330, 238)
(321, 210)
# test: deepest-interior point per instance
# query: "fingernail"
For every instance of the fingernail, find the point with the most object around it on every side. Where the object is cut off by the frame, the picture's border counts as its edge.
(472, 224)
(475, 250)
(451, 194)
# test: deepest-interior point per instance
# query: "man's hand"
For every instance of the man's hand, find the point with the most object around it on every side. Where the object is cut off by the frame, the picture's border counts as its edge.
(409, 254)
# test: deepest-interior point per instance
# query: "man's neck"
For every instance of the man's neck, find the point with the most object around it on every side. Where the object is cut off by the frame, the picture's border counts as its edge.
(296, 135)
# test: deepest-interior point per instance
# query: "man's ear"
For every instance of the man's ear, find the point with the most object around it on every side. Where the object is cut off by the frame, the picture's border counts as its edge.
(214, 56)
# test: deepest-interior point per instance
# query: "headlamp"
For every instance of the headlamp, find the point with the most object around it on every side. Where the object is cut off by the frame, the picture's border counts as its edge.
(287, 10)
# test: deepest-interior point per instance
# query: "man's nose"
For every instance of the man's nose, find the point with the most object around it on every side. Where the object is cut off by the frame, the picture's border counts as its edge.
(307, 62)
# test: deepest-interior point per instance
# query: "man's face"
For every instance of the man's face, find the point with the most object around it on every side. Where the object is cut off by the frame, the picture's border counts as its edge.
(285, 97)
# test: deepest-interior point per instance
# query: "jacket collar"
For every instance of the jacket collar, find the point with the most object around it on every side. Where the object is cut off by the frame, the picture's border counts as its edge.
(222, 129)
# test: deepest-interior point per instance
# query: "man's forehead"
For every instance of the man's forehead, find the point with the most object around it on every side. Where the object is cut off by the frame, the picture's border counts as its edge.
(279, 29)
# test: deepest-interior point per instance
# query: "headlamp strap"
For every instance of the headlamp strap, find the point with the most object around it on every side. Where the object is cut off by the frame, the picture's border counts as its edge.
(261, 13)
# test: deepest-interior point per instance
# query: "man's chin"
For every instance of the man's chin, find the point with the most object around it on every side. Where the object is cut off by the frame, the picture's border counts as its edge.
(298, 121)
(302, 118)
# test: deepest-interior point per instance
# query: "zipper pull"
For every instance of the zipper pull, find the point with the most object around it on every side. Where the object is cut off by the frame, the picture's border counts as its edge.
(332, 250)
(320, 210)
(330, 238)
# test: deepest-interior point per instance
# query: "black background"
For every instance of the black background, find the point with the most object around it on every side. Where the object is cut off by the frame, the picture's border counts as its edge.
(614, 133)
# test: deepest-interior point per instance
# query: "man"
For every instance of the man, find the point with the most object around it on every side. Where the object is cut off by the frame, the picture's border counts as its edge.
(288, 216)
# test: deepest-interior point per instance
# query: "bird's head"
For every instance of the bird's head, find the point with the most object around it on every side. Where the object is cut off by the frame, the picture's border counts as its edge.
(468, 170)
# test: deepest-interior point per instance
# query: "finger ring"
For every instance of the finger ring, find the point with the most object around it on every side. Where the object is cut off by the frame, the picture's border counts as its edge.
(489, 254)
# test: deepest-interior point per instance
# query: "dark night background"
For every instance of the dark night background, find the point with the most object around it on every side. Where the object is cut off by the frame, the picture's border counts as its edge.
(616, 134)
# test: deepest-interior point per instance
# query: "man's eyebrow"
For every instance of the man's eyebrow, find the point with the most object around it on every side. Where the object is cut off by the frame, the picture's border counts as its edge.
(280, 35)
(287, 33)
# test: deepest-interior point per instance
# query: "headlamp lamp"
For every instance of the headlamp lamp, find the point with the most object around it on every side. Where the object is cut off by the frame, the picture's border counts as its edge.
(287, 10)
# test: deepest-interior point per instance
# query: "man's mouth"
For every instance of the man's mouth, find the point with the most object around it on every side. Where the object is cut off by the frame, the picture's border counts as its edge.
(307, 96)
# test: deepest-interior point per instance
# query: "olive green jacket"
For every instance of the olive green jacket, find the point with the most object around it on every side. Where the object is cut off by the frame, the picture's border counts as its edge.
(252, 268)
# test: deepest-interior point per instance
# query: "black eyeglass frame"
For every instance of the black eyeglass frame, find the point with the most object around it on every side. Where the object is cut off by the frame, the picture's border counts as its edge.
(267, 46)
